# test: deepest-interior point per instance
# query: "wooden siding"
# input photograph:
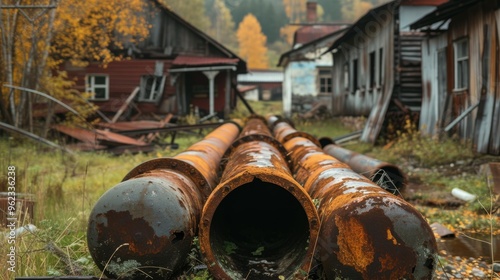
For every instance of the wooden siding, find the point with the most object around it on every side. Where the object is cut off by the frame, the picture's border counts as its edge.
(433, 101)
(359, 99)
(170, 35)
(480, 24)
(124, 77)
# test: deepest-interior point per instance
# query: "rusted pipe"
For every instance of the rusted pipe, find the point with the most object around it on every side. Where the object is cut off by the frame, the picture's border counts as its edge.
(366, 232)
(388, 176)
(143, 227)
(259, 222)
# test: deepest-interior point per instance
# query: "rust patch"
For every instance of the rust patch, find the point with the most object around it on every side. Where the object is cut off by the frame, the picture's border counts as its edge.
(135, 231)
(355, 248)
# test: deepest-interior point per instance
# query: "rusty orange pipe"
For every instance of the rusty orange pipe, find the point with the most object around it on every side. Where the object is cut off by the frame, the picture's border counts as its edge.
(147, 222)
(259, 222)
(366, 232)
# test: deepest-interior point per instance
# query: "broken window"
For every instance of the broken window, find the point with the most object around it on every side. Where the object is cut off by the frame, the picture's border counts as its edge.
(380, 66)
(325, 81)
(461, 64)
(98, 86)
(151, 87)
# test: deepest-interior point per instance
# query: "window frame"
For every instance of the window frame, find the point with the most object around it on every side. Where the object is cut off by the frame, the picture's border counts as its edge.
(459, 83)
(90, 86)
(156, 89)
(325, 78)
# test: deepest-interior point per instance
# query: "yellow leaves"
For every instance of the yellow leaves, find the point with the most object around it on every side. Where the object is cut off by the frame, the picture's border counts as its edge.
(252, 43)
(295, 10)
(87, 30)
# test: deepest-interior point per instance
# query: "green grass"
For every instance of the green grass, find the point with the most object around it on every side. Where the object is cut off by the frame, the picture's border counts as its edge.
(66, 187)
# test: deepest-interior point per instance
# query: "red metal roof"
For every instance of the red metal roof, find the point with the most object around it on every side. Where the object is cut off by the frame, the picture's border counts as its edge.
(312, 32)
(423, 2)
(185, 60)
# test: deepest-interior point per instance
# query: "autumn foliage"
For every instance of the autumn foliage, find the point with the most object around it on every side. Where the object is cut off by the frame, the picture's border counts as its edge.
(252, 43)
(36, 41)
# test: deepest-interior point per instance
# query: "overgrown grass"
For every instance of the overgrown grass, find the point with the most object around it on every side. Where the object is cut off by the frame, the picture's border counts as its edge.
(65, 188)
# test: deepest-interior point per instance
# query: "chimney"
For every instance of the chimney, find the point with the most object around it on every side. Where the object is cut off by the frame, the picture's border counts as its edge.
(311, 12)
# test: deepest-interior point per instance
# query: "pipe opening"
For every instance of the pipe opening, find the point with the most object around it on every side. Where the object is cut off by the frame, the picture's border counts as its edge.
(389, 178)
(259, 231)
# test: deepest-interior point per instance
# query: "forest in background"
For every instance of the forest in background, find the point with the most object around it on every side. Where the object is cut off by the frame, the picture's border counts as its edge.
(276, 19)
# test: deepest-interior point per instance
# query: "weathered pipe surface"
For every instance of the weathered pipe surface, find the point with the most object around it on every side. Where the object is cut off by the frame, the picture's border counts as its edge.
(144, 226)
(388, 176)
(259, 222)
(366, 232)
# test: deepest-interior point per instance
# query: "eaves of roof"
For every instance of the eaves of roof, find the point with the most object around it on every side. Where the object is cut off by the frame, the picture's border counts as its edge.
(310, 44)
(443, 12)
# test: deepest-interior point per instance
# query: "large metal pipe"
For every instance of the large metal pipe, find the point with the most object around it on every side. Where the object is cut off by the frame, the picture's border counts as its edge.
(366, 232)
(258, 223)
(143, 227)
(387, 175)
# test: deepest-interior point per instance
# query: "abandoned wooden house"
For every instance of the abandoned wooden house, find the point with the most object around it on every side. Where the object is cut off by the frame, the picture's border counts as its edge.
(460, 62)
(307, 74)
(178, 67)
(376, 66)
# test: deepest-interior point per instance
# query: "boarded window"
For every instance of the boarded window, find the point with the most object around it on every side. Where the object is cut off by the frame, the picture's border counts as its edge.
(98, 86)
(372, 69)
(325, 81)
(151, 87)
(461, 48)
(346, 76)
(354, 75)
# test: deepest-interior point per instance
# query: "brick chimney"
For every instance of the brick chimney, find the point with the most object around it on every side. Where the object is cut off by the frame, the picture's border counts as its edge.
(312, 16)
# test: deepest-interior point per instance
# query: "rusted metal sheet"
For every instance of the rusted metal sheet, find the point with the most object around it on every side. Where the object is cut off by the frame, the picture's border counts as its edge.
(386, 175)
(132, 125)
(366, 232)
(258, 223)
(148, 221)
(492, 172)
(98, 136)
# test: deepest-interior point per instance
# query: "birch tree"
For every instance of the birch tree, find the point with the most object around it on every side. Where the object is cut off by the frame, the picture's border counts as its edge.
(38, 36)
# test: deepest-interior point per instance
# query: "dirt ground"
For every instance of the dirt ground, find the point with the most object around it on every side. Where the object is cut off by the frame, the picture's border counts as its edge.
(451, 266)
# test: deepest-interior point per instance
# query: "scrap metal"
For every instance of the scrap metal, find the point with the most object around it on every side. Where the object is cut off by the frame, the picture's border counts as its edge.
(258, 223)
(366, 232)
(389, 176)
(144, 226)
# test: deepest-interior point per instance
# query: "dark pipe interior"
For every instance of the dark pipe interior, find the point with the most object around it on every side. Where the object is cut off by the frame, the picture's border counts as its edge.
(324, 141)
(389, 178)
(259, 231)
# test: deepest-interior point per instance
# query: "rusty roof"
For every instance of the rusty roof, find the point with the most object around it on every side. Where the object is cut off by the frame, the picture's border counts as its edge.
(186, 60)
(309, 33)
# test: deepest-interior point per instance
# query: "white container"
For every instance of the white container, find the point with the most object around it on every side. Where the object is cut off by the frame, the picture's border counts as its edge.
(463, 195)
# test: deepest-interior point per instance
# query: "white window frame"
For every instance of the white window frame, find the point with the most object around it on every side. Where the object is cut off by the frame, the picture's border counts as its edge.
(464, 59)
(325, 80)
(90, 86)
(155, 91)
